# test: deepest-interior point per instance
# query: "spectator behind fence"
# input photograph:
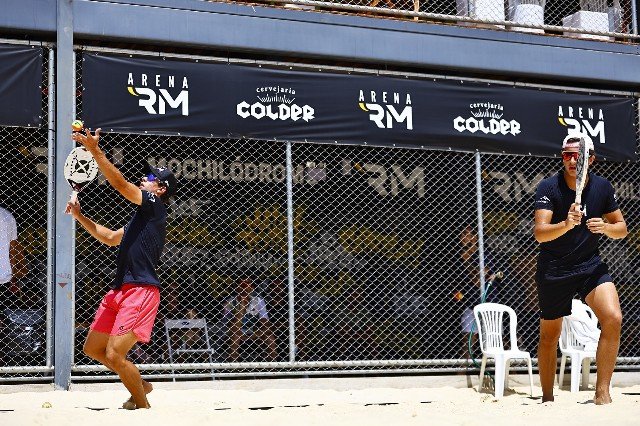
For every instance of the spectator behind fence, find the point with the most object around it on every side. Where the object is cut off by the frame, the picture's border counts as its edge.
(278, 304)
(246, 314)
(12, 268)
(470, 293)
(524, 270)
(12, 262)
(354, 326)
(192, 337)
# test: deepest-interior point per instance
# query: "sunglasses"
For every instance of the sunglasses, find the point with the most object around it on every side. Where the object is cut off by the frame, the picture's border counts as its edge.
(569, 155)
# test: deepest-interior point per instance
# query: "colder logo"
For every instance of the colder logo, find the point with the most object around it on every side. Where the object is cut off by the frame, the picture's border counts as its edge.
(276, 103)
(154, 92)
(486, 117)
(583, 120)
(386, 108)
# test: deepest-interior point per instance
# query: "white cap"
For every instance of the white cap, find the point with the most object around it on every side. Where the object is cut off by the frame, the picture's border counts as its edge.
(572, 141)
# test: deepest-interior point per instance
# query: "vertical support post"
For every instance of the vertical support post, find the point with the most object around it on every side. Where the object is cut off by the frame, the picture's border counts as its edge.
(64, 230)
(290, 268)
(480, 223)
(634, 17)
(51, 179)
(637, 126)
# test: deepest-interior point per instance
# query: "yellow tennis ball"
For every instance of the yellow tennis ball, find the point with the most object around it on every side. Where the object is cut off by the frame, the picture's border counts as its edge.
(77, 125)
(46, 405)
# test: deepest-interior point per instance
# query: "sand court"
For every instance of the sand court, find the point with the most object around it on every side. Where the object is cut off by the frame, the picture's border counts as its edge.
(444, 400)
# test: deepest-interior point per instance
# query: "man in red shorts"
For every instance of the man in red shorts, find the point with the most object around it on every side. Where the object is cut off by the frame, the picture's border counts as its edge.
(127, 312)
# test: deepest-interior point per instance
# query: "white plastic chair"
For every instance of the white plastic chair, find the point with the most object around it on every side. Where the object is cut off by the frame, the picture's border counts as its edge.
(572, 348)
(489, 322)
(187, 324)
(527, 12)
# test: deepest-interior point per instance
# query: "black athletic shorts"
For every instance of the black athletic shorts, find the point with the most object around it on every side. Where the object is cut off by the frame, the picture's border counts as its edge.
(555, 293)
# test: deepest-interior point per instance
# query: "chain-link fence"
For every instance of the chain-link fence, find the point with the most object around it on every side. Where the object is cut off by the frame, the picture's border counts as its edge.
(383, 244)
(591, 19)
(25, 314)
(366, 263)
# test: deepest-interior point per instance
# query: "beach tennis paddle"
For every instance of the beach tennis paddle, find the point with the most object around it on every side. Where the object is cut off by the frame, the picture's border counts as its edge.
(80, 169)
(582, 167)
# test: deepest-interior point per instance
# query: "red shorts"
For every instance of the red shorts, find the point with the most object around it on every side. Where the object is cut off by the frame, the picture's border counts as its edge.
(132, 307)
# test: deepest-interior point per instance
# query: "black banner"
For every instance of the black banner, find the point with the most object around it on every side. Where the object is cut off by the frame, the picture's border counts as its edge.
(168, 97)
(20, 86)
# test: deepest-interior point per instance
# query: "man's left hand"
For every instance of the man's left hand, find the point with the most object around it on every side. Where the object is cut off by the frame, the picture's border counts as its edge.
(89, 141)
(596, 225)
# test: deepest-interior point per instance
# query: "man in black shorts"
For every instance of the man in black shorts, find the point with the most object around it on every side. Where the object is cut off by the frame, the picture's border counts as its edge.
(570, 263)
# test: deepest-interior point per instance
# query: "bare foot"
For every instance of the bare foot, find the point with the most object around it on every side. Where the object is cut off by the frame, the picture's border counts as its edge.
(547, 398)
(129, 404)
(602, 399)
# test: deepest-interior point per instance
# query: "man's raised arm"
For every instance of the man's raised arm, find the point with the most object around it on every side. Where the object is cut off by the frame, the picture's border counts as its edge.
(110, 172)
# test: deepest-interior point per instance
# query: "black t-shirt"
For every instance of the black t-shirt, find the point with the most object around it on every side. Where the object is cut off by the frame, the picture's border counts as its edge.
(576, 250)
(142, 243)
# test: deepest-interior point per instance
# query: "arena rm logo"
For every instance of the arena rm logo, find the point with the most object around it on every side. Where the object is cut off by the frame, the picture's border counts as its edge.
(154, 96)
(486, 117)
(588, 121)
(276, 103)
(386, 108)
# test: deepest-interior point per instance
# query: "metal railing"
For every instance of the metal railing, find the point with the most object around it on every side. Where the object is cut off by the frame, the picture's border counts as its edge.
(589, 19)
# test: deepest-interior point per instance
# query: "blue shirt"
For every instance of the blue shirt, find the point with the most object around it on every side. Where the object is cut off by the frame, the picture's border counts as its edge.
(142, 243)
(577, 249)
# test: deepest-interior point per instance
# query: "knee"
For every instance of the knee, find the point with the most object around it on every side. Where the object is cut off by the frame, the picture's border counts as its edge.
(549, 337)
(612, 322)
(114, 358)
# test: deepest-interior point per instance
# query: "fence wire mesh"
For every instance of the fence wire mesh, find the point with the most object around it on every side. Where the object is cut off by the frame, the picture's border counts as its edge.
(23, 218)
(509, 185)
(375, 255)
(383, 275)
(591, 19)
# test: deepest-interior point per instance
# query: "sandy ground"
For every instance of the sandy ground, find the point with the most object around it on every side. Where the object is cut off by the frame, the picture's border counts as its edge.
(326, 402)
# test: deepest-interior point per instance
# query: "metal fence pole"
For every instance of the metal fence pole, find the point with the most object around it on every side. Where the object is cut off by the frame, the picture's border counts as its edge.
(51, 158)
(480, 223)
(64, 235)
(634, 17)
(292, 330)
